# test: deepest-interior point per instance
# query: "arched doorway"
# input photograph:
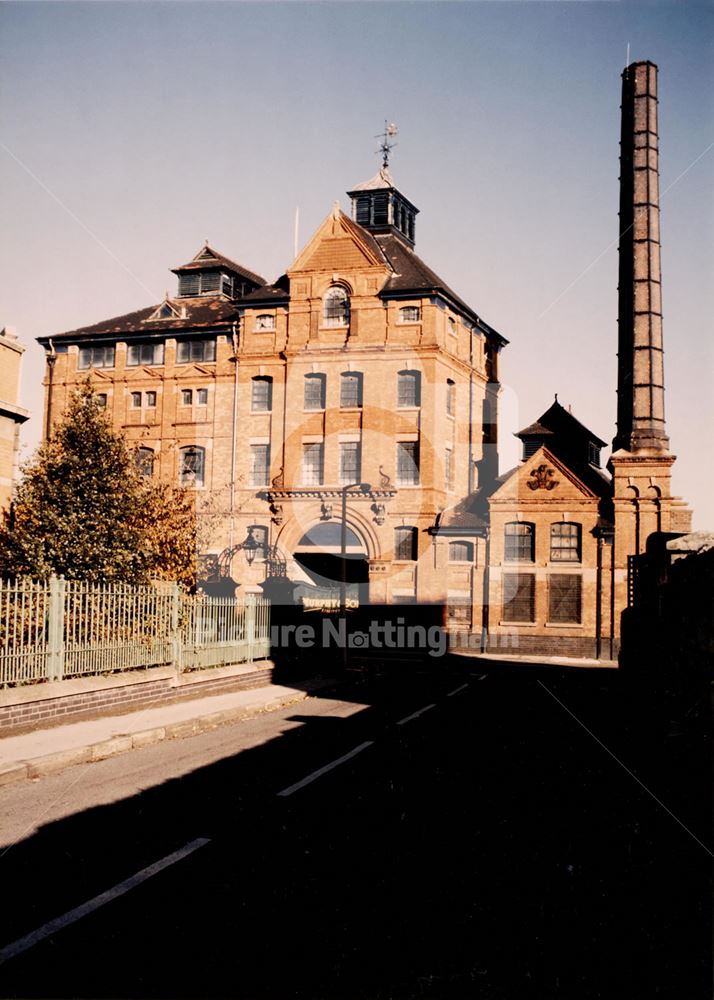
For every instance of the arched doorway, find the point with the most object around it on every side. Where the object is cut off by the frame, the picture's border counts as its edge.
(318, 553)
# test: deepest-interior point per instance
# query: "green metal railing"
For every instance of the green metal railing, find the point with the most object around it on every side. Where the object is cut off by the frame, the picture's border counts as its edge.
(66, 628)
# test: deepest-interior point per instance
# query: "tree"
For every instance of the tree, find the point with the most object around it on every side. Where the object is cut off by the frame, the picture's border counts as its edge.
(83, 509)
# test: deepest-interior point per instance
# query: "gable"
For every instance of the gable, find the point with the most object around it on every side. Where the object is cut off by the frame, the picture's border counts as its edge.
(338, 246)
(543, 479)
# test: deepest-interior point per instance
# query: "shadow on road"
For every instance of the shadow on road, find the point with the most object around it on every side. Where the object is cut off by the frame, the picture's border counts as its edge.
(495, 847)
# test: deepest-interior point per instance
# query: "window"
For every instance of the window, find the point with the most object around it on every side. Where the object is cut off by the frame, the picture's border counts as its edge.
(408, 388)
(452, 325)
(450, 397)
(314, 398)
(336, 307)
(350, 462)
(102, 399)
(261, 394)
(312, 463)
(405, 543)
(202, 397)
(459, 610)
(449, 469)
(593, 454)
(518, 597)
(565, 598)
(136, 399)
(96, 356)
(192, 461)
(265, 322)
(195, 350)
(461, 552)
(145, 354)
(565, 542)
(408, 463)
(259, 464)
(519, 542)
(144, 458)
(150, 399)
(410, 314)
(203, 282)
(350, 389)
(187, 397)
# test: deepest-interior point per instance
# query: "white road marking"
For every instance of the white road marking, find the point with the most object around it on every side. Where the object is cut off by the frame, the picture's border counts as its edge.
(482, 677)
(456, 690)
(72, 916)
(323, 770)
(415, 715)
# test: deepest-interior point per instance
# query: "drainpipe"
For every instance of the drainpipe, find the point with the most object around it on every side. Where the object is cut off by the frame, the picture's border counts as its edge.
(234, 430)
(471, 412)
(485, 620)
(598, 605)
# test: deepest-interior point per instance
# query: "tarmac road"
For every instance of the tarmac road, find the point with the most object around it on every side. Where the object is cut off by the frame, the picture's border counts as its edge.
(440, 834)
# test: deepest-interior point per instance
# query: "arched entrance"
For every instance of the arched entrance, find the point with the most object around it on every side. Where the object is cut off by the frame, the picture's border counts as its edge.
(318, 553)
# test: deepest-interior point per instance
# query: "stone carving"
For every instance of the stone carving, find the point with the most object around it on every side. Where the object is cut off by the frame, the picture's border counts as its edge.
(279, 480)
(384, 481)
(380, 512)
(542, 478)
(277, 512)
(325, 511)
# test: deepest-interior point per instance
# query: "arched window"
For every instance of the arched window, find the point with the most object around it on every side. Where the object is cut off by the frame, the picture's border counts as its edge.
(144, 458)
(405, 543)
(410, 314)
(265, 321)
(192, 466)
(565, 542)
(450, 397)
(336, 307)
(408, 388)
(261, 393)
(519, 542)
(350, 389)
(461, 552)
(314, 398)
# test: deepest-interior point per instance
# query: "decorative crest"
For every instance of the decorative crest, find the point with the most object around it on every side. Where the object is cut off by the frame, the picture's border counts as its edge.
(542, 478)
(385, 147)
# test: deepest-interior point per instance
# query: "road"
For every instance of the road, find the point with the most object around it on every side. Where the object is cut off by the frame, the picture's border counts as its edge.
(445, 833)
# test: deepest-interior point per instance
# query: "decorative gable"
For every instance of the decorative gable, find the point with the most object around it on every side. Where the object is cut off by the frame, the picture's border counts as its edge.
(339, 246)
(167, 310)
(543, 479)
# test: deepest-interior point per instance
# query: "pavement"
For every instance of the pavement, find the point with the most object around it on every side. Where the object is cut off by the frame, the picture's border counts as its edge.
(46, 751)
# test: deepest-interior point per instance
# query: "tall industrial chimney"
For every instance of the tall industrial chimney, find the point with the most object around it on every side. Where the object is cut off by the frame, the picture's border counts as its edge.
(640, 399)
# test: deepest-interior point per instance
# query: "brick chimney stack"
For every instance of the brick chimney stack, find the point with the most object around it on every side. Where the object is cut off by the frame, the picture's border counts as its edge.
(640, 399)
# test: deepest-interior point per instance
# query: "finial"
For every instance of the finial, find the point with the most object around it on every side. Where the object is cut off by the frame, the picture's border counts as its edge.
(385, 147)
(556, 397)
(335, 209)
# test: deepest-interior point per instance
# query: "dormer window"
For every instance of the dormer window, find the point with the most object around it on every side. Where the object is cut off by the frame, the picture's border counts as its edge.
(410, 314)
(336, 307)
(593, 454)
(265, 321)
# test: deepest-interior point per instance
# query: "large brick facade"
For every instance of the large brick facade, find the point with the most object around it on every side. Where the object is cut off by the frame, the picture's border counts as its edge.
(360, 365)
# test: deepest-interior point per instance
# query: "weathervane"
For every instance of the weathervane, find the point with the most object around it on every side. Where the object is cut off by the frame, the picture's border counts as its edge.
(385, 147)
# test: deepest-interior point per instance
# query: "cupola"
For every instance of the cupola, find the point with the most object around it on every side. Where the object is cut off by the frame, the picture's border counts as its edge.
(210, 273)
(379, 207)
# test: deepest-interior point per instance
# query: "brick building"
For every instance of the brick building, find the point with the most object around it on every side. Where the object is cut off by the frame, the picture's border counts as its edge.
(12, 416)
(361, 365)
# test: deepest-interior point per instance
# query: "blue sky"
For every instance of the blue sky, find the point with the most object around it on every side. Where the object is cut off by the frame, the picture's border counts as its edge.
(131, 132)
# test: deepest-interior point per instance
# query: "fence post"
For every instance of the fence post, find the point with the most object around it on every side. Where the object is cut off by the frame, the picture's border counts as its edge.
(176, 644)
(55, 629)
(250, 625)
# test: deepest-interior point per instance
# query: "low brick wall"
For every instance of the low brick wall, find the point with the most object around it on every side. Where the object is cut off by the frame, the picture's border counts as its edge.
(41, 705)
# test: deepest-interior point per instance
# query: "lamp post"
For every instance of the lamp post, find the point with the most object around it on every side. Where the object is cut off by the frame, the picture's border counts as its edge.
(364, 488)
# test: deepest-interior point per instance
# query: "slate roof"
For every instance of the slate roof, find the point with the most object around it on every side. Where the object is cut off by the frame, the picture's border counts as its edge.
(411, 274)
(217, 260)
(201, 312)
(279, 291)
(561, 422)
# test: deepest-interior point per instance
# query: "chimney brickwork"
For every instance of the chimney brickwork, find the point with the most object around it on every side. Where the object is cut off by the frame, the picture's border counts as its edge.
(640, 405)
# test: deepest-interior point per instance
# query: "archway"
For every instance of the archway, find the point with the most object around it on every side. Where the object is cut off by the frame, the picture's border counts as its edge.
(318, 553)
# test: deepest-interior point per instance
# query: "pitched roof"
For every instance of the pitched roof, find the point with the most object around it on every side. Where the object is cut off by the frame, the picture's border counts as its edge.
(203, 312)
(381, 180)
(557, 420)
(279, 291)
(208, 258)
(411, 274)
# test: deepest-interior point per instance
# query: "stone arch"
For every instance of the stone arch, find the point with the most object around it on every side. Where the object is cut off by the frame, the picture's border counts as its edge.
(295, 527)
